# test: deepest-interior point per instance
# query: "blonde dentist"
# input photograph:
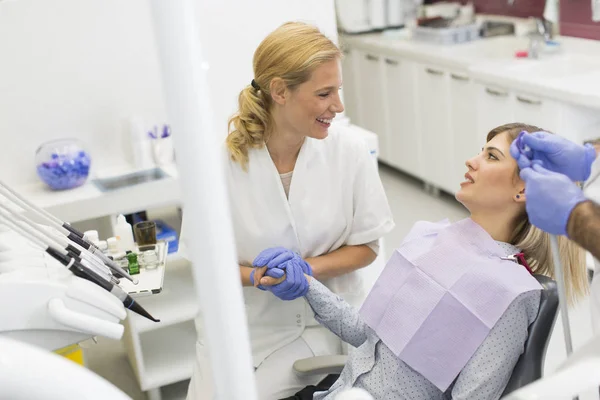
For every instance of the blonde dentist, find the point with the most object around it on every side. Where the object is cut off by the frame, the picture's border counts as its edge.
(295, 183)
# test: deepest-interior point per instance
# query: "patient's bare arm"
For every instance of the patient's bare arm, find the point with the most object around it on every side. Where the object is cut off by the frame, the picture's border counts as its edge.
(584, 227)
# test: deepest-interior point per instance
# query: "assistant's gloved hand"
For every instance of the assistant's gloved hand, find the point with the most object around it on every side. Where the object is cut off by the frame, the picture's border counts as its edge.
(295, 284)
(551, 197)
(277, 256)
(557, 154)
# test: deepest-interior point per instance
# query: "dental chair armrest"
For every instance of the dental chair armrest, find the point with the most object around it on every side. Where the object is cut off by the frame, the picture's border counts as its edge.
(320, 365)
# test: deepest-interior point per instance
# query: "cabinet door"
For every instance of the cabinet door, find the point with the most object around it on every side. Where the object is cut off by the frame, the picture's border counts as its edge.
(463, 125)
(350, 86)
(372, 115)
(436, 155)
(401, 110)
(494, 108)
(537, 111)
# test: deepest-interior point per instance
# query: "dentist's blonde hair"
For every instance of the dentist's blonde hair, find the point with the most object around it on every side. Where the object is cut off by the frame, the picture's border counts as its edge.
(535, 243)
(291, 52)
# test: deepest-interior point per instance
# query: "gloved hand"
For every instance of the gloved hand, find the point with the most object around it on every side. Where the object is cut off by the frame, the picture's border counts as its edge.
(556, 153)
(277, 256)
(551, 197)
(295, 284)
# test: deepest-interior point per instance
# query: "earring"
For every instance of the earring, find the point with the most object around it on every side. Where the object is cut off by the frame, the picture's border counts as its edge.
(518, 196)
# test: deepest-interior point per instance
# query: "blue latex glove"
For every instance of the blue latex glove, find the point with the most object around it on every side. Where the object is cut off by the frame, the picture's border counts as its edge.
(556, 153)
(272, 272)
(551, 197)
(295, 284)
(277, 256)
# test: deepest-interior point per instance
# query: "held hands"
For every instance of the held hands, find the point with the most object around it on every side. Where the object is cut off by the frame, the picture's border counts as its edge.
(282, 272)
(556, 154)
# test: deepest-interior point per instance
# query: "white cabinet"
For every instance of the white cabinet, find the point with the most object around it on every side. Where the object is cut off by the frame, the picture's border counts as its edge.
(350, 85)
(401, 114)
(431, 119)
(463, 125)
(494, 108)
(437, 148)
(371, 89)
(536, 111)
(164, 353)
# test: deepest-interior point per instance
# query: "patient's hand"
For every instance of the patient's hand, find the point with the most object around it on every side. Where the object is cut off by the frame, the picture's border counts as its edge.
(270, 281)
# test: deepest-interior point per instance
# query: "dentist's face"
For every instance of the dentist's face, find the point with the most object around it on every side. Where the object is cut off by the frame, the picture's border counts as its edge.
(310, 107)
(492, 182)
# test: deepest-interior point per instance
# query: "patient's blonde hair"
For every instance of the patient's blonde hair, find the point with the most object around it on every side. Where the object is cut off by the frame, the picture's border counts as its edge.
(291, 52)
(535, 243)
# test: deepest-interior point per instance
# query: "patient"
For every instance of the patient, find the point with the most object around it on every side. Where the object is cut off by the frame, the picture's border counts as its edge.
(414, 340)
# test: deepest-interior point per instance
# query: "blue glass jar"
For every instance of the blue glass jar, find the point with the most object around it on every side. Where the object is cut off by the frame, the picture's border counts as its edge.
(63, 163)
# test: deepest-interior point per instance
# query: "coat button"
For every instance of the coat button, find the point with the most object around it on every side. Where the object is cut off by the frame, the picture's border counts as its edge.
(297, 315)
(298, 321)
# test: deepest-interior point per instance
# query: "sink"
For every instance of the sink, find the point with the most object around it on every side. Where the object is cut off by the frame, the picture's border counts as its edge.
(556, 66)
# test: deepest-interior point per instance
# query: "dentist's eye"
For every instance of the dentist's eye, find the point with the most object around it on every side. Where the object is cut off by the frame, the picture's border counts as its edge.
(323, 95)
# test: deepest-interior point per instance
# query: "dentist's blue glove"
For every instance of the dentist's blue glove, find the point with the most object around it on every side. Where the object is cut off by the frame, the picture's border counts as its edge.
(557, 154)
(551, 197)
(277, 256)
(295, 284)
(272, 272)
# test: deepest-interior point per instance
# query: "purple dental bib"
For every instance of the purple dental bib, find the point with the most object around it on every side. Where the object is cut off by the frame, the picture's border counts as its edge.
(440, 294)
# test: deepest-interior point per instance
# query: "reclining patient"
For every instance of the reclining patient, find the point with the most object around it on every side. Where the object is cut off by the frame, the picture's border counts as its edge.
(449, 315)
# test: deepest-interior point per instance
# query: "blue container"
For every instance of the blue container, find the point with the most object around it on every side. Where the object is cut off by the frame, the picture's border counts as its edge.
(63, 164)
(168, 234)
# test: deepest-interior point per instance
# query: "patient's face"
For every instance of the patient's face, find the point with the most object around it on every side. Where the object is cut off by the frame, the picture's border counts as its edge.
(491, 182)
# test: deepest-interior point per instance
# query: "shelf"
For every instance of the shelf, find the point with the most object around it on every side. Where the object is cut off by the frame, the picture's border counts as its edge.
(169, 355)
(176, 391)
(176, 303)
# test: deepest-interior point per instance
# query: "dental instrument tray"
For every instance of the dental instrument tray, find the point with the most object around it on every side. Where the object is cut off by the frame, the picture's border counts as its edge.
(150, 280)
(135, 178)
(446, 34)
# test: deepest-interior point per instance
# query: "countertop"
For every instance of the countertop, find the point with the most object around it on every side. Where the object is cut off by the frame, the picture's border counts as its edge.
(571, 74)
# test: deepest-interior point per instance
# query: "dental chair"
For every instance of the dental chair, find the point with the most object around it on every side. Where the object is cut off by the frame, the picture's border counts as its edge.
(528, 368)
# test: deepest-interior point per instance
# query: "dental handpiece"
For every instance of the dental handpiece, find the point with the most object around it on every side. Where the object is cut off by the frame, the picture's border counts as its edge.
(78, 269)
(21, 228)
(76, 250)
(64, 228)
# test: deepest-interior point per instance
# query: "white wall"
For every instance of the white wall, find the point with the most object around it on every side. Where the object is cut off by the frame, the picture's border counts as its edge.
(242, 27)
(83, 67)
(73, 68)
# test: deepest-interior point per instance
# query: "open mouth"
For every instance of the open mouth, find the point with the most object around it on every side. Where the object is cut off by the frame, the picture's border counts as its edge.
(325, 122)
(468, 180)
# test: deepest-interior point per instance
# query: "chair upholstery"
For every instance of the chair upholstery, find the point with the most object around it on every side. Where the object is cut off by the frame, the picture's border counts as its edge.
(531, 363)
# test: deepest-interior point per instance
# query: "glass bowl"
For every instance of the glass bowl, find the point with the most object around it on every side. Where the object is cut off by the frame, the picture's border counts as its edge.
(63, 163)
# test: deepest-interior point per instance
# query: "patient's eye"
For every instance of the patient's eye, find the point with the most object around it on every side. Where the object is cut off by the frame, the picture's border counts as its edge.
(492, 157)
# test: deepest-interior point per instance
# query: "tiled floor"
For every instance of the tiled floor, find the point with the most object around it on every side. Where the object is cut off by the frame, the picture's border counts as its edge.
(409, 203)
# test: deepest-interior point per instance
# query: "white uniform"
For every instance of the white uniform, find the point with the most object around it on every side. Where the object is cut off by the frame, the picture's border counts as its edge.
(335, 199)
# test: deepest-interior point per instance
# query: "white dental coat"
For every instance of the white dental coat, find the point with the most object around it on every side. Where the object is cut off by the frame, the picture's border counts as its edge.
(336, 198)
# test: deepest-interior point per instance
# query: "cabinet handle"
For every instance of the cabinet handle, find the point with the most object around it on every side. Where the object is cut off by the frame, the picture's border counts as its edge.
(498, 93)
(371, 58)
(459, 77)
(434, 71)
(391, 62)
(529, 101)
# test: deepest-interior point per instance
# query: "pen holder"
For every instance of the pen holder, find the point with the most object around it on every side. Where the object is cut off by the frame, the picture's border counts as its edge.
(162, 150)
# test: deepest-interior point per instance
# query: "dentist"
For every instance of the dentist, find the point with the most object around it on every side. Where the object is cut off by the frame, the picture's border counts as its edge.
(300, 189)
